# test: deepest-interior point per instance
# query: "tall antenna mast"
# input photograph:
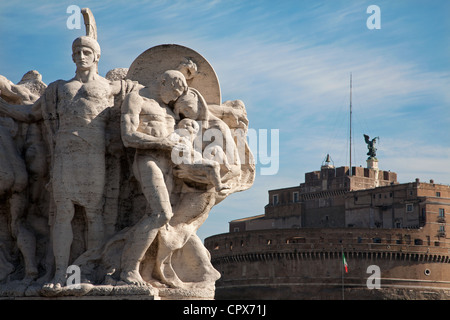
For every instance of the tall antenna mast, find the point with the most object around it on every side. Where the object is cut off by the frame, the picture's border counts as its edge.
(350, 169)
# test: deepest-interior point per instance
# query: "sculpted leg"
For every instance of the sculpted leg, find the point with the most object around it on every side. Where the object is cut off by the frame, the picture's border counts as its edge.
(35, 157)
(155, 191)
(95, 228)
(26, 241)
(212, 169)
(203, 258)
(62, 240)
(182, 230)
(18, 203)
(6, 170)
(163, 268)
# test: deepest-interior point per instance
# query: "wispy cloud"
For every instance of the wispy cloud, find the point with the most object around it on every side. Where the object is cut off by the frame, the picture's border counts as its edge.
(289, 61)
(418, 159)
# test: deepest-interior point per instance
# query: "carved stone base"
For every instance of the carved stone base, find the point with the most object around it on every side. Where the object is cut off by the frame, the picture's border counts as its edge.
(185, 294)
(14, 291)
(90, 297)
(85, 291)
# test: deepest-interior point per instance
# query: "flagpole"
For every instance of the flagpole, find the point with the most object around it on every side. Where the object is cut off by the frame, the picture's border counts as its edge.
(342, 270)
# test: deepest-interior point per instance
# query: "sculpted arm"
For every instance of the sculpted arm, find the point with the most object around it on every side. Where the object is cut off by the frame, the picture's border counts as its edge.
(16, 92)
(131, 136)
(117, 86)
(25, 113)
(232, 112)
(232, 155)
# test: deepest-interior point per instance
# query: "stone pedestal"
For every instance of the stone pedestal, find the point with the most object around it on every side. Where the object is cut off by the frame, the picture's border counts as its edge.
(372, 163)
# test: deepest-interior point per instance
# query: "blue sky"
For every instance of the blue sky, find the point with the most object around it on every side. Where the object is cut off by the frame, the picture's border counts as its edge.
(290, 63)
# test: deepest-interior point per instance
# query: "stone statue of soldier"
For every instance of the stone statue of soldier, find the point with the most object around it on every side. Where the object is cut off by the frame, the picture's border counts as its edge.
(75, 113)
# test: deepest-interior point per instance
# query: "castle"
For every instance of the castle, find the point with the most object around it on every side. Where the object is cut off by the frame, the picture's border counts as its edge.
(361, 218)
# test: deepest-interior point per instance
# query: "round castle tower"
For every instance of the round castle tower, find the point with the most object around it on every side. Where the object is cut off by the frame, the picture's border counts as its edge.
(391, 236)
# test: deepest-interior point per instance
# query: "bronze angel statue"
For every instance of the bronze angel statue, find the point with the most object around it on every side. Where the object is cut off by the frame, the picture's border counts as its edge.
(371, 146)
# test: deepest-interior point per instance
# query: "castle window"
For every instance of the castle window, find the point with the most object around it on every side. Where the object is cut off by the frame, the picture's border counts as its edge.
(441, 213)
(438, 194)
(275, 199)
(441, 232)
(236, 229)
(295, 194)
(409, 207)
(407, 239)
(296, 240)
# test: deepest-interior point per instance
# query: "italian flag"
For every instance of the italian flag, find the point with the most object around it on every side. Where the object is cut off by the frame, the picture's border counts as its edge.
(344, 261)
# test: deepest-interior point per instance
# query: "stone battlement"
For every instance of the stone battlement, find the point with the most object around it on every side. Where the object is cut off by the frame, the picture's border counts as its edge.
(307, 264)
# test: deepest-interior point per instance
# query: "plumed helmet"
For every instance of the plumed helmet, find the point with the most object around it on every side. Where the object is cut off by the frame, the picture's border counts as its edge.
(85, 41)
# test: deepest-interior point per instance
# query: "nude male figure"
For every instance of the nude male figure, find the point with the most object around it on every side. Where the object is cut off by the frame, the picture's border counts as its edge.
(147, 125)
(14, 176)
(77, 133)
(193, 207)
